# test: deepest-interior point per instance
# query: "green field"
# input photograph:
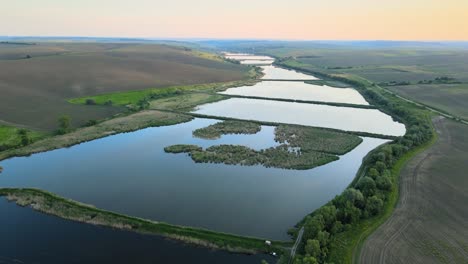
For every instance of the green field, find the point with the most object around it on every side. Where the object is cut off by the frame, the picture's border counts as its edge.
(10, 137)
(450, 98)
(35, 91)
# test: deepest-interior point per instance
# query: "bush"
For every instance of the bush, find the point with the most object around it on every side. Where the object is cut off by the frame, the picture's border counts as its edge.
(312, 248)
(374, 205)
(384, 183)
(64, 125)
(367, 186)
(91, 122)
(90, 101)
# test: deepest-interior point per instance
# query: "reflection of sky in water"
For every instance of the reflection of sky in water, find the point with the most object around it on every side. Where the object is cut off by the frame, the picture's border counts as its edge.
(130, 173)
(344, 118)
(299, 91)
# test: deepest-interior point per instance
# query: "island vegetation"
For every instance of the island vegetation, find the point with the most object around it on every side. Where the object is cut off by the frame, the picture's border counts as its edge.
(279, 157)
(182, 148)
(227, 127)
(300, 148)
(316, 139)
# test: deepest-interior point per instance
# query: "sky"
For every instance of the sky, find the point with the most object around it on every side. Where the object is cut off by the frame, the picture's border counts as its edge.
(239, 19)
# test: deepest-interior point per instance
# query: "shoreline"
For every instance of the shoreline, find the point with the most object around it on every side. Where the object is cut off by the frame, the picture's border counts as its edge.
(49, 203)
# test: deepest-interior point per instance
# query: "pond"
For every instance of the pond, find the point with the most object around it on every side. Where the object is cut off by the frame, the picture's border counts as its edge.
(299, 91)
(131, 174)
(344, 118)
(31, 237)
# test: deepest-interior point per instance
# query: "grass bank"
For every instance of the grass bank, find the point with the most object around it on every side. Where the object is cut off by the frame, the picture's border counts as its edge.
(301, 101)
(129, 98)
(132, 122)
(68, 209)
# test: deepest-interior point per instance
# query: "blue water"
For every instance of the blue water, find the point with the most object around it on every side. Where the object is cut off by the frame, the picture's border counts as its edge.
(130, 173)
(30, 237)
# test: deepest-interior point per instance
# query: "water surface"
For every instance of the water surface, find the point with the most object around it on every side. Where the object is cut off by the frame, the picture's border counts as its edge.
(276, 73)
(256, 62)
(299, 91)
(247, 57)
(130, 173)
(344, 118)
(30, 237)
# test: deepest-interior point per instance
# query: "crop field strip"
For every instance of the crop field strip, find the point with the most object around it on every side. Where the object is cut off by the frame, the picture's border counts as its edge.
(90, 69)
(428, 224)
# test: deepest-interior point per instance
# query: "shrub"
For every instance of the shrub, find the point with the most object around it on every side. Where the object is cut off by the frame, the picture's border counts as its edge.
(367, 186)
(374, 205)
(384, 183)
(90, 101)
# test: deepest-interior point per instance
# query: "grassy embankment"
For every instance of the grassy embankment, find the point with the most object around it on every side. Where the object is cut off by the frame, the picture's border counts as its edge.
(169, 98)
(335, 231)
(301, 147)
(54, 205)
(300, 101)
(132, 122)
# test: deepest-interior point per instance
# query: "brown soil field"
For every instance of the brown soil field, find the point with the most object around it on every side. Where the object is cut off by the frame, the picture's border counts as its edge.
(34, 91)
(430, 221)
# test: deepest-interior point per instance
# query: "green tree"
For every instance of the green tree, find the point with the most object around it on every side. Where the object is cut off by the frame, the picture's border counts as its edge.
(64, 124)
(384, 183)
(374, 205)
(354, 196)
(309, 260)
(24, 136)
(367, 186)
(90, 101)
(373, 173)
(380, 166)
(312, 226)
(312, 248)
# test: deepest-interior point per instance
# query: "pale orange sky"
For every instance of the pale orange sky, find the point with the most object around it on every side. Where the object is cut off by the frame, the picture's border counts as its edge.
(273, 19)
